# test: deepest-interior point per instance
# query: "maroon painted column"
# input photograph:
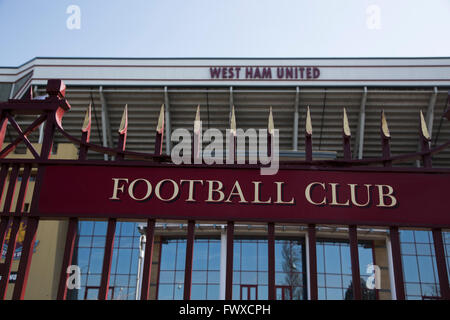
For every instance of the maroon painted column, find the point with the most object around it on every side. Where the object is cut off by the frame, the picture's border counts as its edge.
(15, 225)
(112, 222)
(72, 229)
(150, 231)
(189, 257)
(229, 271)
(441, 263)
(312, 262)
(308, 136)
(107, 259)
(33, 222)
(25, 259)
(4, 220)
(71, 236)
(147, 269)
(397, 263)
(356, 278)
(271, 256)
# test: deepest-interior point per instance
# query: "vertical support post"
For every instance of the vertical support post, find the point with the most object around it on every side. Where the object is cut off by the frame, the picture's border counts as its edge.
(223, 262)
(159, 138)
(430, 110)
(312, 262)
(6, 270)
(72, 228)
(295, 124)
(271, 256)
(110, 234)
(356, 280)
(189, 256)
(385, 141)
(146, 273)
(308, 136)
(426, 128)
(16, 219)
(441, 263)
(359, 141)
(231, 157)
(425, 139)
(229, 272)
(56, 91)
(25, 258)
(106, 129)
(346, 136)
(397, 263)
(71, 236)
(107, 258)
(270, 133)
(4, 223)
(196, 156)
(11, 188)
(167, 120)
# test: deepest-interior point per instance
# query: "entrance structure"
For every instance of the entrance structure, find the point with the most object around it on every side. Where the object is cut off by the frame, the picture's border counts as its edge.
(140, 186)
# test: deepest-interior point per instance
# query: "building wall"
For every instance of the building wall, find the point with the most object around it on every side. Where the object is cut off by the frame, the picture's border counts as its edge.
(46, 263)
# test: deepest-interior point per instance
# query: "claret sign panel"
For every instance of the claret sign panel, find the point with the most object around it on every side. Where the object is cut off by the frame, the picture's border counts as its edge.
(292, 195)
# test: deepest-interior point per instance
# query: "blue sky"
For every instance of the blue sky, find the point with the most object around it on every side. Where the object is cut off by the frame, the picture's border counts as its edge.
(224, 28)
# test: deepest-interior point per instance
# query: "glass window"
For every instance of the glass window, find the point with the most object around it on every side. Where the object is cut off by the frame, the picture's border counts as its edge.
(290, 269)
(89, 252)
(250, 279)
(205, 269)
(419, 264)
(334, 277)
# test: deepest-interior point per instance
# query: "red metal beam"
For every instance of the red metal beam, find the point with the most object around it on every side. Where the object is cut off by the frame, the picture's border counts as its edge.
(229, 268)
(11, 188)
(6, 270)
(312, 262)
(397, 263)
(441, 263)
(33, 222)
(71, 236)
(72, 228)
(356, 280)
(14, 229)
(189, 257)
(4, 152)
(25, 259)
(23, 137)
(107, 259)
(147, 269)
(271, 256)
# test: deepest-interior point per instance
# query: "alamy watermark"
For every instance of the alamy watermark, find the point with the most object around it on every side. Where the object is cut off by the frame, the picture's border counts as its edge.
(374, 280)
(373, 21)
(220, 149)
(74, 278)
(73, 22)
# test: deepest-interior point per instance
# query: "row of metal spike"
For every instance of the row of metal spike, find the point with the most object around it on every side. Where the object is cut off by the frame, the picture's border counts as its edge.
(385, 134)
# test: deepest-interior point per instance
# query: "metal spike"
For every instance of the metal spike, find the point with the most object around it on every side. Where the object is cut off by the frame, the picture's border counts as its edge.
(384, 126)
(423, 127)
(87, 120)
(197, 121)
(160, 126)
(308, 126)
(233, 122)
(124, 122)
(347, 132)
(271, 126)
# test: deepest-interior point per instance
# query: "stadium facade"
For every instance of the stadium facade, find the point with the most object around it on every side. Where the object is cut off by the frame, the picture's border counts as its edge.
(402, 88)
